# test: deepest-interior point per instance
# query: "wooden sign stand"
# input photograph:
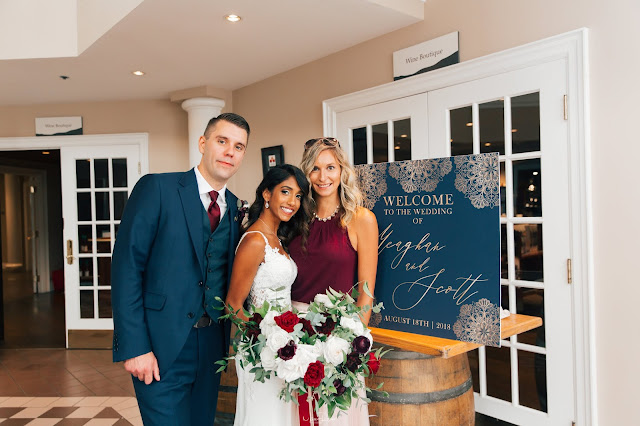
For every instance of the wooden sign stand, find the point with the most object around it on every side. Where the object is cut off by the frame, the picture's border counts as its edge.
(428, 379)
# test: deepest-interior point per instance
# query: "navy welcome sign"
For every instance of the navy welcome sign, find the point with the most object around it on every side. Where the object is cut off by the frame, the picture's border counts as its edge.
(439, 247)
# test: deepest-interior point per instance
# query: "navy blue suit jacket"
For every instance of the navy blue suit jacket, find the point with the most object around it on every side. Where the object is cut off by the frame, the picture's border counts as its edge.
(158, 266)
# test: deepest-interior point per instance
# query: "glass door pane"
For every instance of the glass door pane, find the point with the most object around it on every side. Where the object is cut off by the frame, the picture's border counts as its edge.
(385, 132)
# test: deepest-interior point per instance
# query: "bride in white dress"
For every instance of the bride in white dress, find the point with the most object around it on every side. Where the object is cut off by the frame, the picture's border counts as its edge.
(262, 270)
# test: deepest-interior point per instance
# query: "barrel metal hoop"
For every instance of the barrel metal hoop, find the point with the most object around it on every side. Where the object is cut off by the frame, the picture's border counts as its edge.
(230, 389)
(421, 398)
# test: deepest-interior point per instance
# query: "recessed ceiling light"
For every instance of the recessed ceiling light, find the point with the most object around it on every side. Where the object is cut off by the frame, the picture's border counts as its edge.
(535, 173)
(232, 18)
(487, 144)
(403, 136)
(397, 147)
(46, 152)
(514, 130)
(138, 73)
(469, 124)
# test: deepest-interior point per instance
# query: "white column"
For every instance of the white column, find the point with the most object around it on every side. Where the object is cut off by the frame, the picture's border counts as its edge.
(200, 111)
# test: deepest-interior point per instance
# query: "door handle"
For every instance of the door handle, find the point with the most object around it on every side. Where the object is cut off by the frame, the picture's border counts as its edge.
(69, 252)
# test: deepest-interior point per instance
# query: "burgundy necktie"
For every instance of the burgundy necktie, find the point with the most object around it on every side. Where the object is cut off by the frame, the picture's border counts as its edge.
(213, 211)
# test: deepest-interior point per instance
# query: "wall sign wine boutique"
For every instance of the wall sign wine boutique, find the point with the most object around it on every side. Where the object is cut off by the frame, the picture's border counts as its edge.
(439, 248)
(57, 126)
(430, 55)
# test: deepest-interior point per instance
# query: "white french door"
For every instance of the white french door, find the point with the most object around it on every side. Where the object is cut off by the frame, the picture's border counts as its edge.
(96, 183)
(520, 114)
(391, 131)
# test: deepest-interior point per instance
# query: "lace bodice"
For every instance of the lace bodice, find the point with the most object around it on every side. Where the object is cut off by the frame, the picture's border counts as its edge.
(274, 277)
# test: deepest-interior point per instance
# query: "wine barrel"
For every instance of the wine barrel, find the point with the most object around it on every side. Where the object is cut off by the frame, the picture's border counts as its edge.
(423, 390)
(227, 393)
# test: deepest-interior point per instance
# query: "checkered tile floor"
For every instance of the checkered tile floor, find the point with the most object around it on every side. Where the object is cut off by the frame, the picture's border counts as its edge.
(69, 411)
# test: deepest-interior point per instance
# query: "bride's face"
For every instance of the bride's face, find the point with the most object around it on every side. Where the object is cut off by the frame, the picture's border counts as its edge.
(285, 199)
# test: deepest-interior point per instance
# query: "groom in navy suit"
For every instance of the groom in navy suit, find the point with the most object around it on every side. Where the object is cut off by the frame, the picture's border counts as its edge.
(172, 257)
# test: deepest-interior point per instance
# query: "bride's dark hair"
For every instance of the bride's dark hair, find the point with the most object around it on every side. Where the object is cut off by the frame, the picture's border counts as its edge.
(299, 223)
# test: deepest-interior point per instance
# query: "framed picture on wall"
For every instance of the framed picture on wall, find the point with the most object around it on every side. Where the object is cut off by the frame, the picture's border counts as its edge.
(272, 156)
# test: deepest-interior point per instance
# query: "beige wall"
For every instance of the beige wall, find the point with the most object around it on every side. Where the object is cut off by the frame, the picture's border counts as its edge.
(286, 109)
(166, 123)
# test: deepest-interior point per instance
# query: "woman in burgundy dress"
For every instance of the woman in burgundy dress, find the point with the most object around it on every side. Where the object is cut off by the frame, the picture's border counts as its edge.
(341, 248)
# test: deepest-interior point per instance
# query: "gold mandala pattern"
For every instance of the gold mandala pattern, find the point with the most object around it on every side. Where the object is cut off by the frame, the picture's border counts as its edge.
(478, 178)
(420, 175)
(372, 181)
(375, 320)
(479, 323)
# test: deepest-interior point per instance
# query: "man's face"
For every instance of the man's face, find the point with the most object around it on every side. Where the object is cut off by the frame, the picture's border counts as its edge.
(222, 153)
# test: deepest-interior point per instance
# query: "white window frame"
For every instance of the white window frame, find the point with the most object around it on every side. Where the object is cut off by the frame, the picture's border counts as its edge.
(573, 48)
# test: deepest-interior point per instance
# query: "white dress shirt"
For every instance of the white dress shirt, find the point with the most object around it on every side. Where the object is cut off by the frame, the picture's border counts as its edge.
(204, 188)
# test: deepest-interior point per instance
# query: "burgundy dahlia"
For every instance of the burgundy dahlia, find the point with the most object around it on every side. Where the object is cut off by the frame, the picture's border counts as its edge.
(361, 344)
(287, 351)
(253, 333)
(340, 388)
(256, 317)
(353, 361)
(327, 327)
(306, 326)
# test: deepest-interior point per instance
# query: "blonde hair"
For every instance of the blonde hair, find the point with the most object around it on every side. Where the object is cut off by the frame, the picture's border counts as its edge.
(350, 195)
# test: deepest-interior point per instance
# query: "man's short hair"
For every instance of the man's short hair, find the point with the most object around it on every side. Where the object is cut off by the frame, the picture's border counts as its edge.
(230, 118)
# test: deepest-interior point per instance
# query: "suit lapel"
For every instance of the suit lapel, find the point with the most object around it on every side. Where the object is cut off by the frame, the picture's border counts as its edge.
(192, 207)
(232, 211)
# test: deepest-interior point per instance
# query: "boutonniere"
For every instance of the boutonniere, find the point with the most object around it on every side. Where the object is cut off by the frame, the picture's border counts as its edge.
(243, 207)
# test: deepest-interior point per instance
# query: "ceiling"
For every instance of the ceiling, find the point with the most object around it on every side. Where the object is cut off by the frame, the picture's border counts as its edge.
(188, 43)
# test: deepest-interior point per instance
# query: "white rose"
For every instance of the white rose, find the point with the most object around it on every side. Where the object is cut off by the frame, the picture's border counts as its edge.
(306, 354)
(288, 371)
(268, 358)
(354, 325)
(334, 349)
(268, 324)
(296, 367)
(324, 299)
(367, 334)
(278, 339)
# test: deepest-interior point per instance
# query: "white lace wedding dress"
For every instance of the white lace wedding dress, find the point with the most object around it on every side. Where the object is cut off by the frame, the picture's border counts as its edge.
(258, 403)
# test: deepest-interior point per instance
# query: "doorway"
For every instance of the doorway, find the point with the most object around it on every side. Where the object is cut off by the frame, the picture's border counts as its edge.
(115, 162)
(528, 104)
(31, 224)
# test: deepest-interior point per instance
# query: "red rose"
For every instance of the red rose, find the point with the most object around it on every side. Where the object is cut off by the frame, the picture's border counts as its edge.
(314, 375)
(373, 363)
(287, 321)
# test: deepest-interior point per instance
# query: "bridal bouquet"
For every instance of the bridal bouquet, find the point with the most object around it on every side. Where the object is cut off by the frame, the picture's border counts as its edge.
(325, 352)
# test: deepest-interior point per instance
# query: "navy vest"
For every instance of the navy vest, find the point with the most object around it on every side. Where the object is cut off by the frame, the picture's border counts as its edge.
(217, 253)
